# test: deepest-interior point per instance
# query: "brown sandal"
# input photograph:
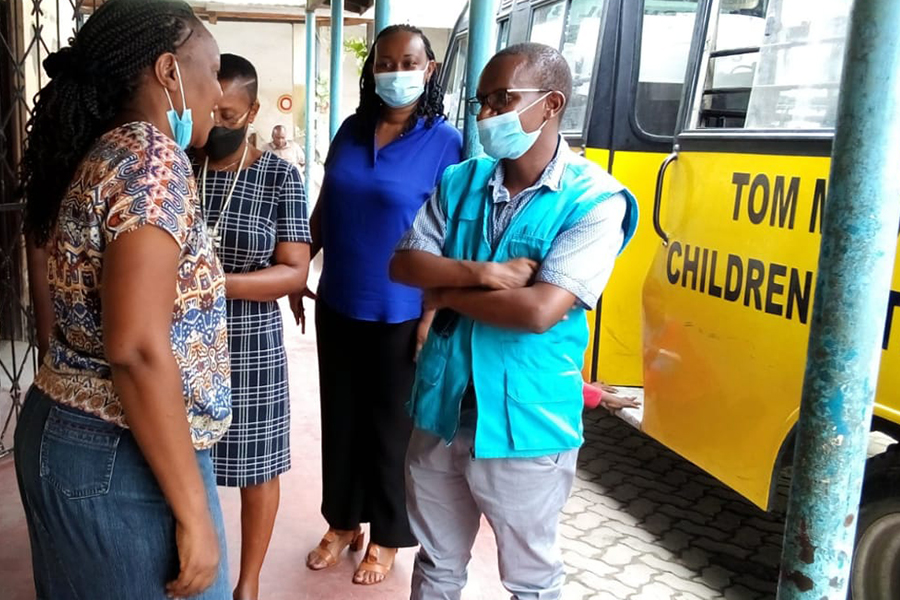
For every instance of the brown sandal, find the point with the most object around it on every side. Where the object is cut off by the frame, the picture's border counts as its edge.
(371, 564)
(330, 548)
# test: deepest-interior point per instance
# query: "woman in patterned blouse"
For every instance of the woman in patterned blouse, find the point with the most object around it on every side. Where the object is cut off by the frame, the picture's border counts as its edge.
(112, 445)
(255, 210)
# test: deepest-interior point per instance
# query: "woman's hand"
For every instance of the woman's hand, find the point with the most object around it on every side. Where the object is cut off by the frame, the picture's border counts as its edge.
(198, 556)
(296, 301)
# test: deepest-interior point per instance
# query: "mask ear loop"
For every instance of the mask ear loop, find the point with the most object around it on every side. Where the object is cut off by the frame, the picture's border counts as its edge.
(542, 98)
(181, 87)
(169, 98)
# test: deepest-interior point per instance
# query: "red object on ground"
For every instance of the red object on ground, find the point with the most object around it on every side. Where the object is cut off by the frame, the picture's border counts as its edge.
(592, 395)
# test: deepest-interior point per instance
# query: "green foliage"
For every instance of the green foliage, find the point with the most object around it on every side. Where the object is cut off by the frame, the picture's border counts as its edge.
(358, 48)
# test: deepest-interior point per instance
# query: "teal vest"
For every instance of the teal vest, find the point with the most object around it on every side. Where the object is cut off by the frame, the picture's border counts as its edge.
(527, 385)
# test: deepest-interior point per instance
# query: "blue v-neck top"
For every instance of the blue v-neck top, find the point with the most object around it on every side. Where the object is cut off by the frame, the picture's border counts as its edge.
(370, 197)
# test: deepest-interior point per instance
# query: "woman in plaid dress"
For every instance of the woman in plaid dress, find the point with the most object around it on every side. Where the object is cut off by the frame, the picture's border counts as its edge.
(255, 210)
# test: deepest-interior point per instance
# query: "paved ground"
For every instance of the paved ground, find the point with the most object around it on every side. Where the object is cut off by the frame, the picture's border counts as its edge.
(642, 524)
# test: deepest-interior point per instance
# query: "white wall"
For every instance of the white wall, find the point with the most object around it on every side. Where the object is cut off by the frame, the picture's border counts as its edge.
(271, 49)
(278, 51)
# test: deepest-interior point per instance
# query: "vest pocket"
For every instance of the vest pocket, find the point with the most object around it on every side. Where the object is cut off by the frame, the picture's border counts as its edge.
(78, 453)
(431, 367)
(544, 413)
(527, 246)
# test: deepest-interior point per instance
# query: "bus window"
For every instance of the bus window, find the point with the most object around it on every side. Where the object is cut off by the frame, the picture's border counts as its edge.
(547, 23)
(800, 60)
(666, 31)
(734, 35)
(579, 47)
(454, 103)
(503, 35)
(779, 69)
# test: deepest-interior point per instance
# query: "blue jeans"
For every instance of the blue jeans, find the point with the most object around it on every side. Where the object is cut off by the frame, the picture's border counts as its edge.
(99, 524)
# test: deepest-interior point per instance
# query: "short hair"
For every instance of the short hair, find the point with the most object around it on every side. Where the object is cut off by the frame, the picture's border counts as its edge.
(235, 67)
(549, 66)
(279, 128)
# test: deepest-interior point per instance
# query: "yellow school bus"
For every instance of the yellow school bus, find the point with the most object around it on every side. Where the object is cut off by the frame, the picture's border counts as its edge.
(719, 116)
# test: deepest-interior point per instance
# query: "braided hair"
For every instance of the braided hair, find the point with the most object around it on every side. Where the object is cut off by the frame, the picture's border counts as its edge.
(431, 104)
(90, 82)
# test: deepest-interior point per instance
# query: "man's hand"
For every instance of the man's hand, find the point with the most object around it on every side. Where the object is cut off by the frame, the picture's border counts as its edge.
(296, 301)
(509, 275)
(422, 331)
(434, 300)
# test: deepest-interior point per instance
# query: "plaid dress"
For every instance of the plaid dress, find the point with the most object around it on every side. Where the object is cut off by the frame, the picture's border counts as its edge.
(268, 206)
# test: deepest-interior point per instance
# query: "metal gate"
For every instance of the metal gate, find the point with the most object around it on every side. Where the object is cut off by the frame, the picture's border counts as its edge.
(29, 31)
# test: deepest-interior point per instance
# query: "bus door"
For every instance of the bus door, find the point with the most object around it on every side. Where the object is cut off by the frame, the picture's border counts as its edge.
(643, 60)
(728, 299)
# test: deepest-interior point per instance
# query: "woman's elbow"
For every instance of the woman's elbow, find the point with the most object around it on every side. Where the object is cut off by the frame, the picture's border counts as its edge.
(129, 354)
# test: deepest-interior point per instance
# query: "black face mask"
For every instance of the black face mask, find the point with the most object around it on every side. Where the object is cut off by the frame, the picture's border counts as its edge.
(224, 141)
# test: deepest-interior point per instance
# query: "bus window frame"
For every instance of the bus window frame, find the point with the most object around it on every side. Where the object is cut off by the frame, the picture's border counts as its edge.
(639, 131)
(501, 21)
(449, 66)
(534, 6)
(807, 142)
(577, 137)
(580, 137)
(600, 124)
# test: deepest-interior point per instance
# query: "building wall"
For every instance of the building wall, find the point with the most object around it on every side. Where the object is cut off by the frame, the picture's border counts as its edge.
(278, 55)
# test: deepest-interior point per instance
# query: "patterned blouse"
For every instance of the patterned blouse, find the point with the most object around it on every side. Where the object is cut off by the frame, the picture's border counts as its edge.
(134, 176)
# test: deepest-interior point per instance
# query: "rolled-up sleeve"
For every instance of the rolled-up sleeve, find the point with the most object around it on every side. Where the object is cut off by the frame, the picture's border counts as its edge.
(428, 229)
(582, 257)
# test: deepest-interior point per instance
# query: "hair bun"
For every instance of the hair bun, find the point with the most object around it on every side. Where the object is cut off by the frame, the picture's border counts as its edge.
(64, 61)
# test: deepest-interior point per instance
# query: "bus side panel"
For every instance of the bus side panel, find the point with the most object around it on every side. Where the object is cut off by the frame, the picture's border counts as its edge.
(600, 157)
(727, 306)
(620, 334)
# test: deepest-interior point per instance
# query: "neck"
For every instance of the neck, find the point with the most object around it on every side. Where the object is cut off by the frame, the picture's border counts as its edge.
(230, 162)
(398, 117)
(132, 114)
(527, 169)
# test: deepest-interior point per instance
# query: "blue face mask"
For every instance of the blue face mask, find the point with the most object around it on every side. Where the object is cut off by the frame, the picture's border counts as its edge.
(400, 88)
(503, 137)
(182, 126)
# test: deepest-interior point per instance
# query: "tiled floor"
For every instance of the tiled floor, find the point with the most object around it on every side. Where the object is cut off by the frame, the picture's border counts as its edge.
(642, 524)
(298, 527)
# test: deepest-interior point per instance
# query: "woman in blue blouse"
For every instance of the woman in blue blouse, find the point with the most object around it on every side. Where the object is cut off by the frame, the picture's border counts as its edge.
(384, 163)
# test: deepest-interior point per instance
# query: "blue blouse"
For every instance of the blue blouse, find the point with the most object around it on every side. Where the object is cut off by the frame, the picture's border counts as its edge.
(370, 198)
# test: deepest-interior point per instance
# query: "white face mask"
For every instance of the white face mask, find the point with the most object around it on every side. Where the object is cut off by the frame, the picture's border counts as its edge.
(400, 88)
(503, 137)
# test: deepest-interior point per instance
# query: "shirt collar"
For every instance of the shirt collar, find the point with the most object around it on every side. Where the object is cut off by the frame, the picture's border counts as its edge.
(551, 178)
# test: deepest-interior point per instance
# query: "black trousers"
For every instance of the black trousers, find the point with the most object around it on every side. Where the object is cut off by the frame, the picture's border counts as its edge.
(366, 373)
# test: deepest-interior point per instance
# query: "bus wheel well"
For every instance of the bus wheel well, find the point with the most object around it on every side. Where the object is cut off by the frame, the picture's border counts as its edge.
(876, 558)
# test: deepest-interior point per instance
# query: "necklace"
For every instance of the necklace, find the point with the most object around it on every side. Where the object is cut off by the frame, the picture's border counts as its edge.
(213, 230)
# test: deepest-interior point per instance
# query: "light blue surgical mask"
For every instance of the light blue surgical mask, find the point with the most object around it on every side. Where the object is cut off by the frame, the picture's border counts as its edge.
(400, 88)
(182, 126)
(503, 137)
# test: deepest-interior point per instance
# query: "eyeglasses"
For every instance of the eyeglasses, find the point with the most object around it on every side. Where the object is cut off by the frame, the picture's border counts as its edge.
(497, 100)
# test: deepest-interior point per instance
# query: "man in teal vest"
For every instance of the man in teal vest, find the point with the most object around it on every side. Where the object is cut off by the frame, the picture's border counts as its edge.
(511, 250)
